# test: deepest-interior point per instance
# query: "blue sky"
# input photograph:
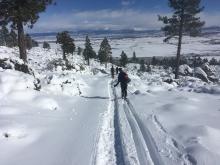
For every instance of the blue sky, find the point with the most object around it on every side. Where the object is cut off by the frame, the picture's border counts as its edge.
(114, 14)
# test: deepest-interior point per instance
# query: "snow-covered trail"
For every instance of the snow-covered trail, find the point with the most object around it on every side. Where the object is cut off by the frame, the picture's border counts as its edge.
(67, 136)
(145, 150)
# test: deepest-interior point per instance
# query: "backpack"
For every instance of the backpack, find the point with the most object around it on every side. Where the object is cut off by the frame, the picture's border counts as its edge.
(127, 78)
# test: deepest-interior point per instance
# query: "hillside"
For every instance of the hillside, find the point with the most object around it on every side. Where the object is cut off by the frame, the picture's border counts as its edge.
(53, 115)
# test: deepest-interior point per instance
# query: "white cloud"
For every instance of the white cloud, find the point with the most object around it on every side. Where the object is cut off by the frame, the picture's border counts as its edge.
(127, 2)
(211, 18)
(109, 19)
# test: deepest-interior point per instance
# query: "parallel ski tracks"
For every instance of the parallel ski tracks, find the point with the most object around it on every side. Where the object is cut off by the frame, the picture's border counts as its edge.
(145, 146)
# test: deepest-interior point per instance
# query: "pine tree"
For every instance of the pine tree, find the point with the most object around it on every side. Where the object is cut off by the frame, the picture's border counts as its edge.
(20, 13)
(29, 42)
(13, 39)
(142, 66)
(4, 34)
(124, 59)
(34, 43)
(213, 61)
(134, 58)
(46, 45)
(67, 43)
(79, 50)
(105, 52)
(182, 22)
(88, 51)
(148, 68)
(154, 61)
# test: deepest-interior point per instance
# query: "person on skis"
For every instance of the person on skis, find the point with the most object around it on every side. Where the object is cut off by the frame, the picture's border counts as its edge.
(123, 80)
(113, 72)
(116, 70)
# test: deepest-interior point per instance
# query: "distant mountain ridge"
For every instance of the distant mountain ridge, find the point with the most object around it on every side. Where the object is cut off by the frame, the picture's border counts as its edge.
(104, 33)
(118, 34)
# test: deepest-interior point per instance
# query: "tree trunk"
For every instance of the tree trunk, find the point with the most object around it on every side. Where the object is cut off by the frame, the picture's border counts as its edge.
(21, 41)
(88, 62)
(179, 46)
(64, 55)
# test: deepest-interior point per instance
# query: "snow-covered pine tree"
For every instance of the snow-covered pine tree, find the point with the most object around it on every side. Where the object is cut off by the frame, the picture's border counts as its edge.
(20, 13)
(88, 51)
(183, 22)
(124, 59)
(66, 42)
(105, 52)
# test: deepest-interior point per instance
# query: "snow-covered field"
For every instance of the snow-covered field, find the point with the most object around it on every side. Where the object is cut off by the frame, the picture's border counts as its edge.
(78, 117)
(149, 46)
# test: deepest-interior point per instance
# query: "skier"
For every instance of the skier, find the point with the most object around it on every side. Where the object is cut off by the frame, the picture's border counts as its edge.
(123, 80)
(113, 72)
(117, 70)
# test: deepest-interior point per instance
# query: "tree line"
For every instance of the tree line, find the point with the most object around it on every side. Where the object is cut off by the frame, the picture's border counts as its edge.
(20, 13)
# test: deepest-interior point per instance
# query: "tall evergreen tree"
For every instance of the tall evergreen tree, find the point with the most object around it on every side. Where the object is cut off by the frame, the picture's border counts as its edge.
(67, 43)
(13, 39)
(88, 51)
(134, 58)
(124, 59)
(79, 50)
(20, 13)
(182, 22)
(4, 34)
(105, 52)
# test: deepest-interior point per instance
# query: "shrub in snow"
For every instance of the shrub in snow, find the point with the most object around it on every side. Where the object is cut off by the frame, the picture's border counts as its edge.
(37, 85)
(46, 45)
(199, 73)
(211, 73)
(208, 89)
(213, 79)
(169, 81)
(207, 69)
(142, 66)
(14, 64)
(5, 64)
(185, 70)
(55, 63)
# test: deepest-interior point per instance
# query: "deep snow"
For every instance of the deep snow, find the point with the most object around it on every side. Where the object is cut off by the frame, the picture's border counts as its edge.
(77, 117)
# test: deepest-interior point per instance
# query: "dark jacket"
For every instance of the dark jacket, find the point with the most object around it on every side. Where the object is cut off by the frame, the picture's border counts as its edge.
(122, 79)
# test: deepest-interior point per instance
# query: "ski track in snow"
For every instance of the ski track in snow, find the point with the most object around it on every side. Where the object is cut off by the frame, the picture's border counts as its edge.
(146, 149)
(144, 141)
(118, 140)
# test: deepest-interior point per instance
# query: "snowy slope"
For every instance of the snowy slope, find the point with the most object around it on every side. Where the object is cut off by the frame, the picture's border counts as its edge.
(78, 117)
